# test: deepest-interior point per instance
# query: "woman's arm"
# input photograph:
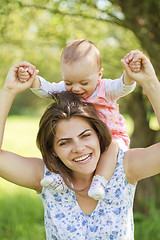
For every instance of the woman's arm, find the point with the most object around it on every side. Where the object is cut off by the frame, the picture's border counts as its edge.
(143, 163)
(140, 163)
(23, 171)
(147, 78)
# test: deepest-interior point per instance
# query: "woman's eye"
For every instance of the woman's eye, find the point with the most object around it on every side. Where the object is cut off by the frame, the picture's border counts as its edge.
(62, 143)
(86, 135)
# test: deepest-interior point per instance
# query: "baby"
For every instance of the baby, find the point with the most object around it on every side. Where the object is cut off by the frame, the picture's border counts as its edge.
(82, 75)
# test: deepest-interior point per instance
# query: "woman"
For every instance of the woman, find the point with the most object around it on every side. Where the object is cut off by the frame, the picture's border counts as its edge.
(71, 139)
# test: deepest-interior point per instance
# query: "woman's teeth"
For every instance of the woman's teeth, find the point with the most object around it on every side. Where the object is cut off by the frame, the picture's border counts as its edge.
(80, 159)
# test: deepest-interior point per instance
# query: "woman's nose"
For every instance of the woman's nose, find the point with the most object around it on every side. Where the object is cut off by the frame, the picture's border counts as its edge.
(78, 147)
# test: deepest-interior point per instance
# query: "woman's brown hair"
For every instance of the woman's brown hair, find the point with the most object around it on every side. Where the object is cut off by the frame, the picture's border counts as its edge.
(65, 106)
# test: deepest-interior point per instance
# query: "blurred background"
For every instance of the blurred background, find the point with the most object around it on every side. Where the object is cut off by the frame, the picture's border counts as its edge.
(37, 31)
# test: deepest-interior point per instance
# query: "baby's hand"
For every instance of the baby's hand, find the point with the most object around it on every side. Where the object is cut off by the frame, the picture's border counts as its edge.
(135, 66)
(146, 76)
(133, 61)
(23, 74)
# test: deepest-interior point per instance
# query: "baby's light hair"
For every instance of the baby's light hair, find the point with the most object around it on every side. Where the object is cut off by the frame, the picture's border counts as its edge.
(79, 49)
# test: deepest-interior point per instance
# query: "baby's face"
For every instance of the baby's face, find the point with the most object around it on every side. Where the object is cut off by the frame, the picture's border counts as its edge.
(81, 77)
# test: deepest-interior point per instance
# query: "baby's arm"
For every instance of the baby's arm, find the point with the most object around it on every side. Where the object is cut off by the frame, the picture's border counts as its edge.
(134, 64)
(46, 89)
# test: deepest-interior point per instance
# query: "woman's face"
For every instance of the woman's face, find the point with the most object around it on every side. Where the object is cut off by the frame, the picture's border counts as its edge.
(77, 145)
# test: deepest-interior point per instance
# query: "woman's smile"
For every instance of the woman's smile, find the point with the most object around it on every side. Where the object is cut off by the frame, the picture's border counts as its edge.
(84, 159)
(78, 148)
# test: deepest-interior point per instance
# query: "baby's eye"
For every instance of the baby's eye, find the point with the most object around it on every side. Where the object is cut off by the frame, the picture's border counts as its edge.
(84, 83)
(68, 83)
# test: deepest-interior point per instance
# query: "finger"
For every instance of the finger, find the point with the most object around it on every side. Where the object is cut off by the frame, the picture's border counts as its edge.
(31, 68)
(23, 64)
(131, 55)
(28, 83)
(30, 71)
(23, 74)
(32, 77)
(135, 64)
(138, 56)
(22, 69)
(126, 66)
(135, 67)
(23, 79)
(128, 58)
(136, 70)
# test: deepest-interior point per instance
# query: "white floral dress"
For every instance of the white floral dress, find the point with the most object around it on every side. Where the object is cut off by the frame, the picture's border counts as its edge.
(111, 219)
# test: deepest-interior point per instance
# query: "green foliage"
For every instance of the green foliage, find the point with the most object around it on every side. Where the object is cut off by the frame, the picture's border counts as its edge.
(21, 215)
(37, 31)
(147, 227)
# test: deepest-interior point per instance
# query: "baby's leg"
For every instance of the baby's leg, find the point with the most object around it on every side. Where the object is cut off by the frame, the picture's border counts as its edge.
(54, 182)
(104, 171)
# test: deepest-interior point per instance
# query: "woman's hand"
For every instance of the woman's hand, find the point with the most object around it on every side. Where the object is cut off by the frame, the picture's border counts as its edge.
(146, 77)
(12, 83)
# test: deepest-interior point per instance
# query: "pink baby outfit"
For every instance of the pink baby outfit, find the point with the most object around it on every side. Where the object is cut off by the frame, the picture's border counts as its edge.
(109, 113)
(104, 99)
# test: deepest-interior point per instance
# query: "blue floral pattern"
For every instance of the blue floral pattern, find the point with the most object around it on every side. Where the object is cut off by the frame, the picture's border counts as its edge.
(112, 218)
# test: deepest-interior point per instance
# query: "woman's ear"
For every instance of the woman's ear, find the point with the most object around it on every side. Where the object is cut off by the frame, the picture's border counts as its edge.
(100, 74)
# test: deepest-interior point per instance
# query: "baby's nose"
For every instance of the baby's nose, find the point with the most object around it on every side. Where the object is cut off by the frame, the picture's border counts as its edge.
(76, 88)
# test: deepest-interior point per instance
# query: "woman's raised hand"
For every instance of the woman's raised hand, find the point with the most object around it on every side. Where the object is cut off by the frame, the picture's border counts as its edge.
(12, 83)
(146, 75)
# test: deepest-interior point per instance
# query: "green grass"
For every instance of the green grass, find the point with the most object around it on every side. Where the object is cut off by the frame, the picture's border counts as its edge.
(21, 210)
(20, 135)
(21, 215)
(147, 227)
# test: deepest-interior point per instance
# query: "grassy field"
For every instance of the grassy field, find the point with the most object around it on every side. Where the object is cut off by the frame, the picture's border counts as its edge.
(21, 214)
(21, 130)
(21, 210)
